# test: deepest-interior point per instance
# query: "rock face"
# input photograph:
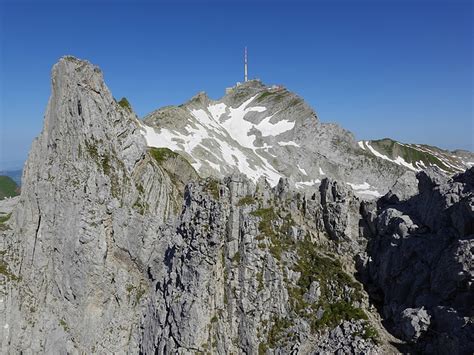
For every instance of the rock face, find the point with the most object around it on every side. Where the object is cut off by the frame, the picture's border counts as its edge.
(116, 247)
(85, 224)
(421, 263)
(239, 274)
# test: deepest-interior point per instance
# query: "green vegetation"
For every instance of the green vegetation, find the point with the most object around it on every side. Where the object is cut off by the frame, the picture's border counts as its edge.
(104, 161)
(125, 104)
(371, 333)
(4, 270)
(162, 154)
(277, 333)
(236, 257)
(410, 154)
(139, 292)
(140, 206)
(8, 187)
(212, 186)
(63, 324)
(265, 94)
(279, 236)
(336, 303)
(247, 200)
(277, 96)
(266, 215)
(260, 281)
(3, 220)
(336, 312)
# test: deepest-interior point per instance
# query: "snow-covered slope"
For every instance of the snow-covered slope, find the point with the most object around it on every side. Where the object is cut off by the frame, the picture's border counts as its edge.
(270, 132)
(266, 131)
(417, 157)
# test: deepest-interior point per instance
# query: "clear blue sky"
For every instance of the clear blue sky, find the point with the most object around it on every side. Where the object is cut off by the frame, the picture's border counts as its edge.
(400, 69)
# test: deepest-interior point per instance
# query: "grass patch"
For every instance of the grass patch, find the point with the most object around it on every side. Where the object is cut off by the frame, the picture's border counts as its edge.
(8, 187)
(260, 281)
(4, 270)
(212, 186)
(277, 333)
(336, 312)
(162, 154)
(125, 104)
(247, 200)
(266, 215)
(370, 332)
(279, 236)
(410, 154)
(277, 96)
(262, 348)
(236, 257)
(335, 300)
(3, 220)
(63, 324)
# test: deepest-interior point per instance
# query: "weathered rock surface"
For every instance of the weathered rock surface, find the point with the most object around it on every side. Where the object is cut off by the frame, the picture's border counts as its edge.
(85, 224)
(239, 274)
(420, 265)
(114, 247)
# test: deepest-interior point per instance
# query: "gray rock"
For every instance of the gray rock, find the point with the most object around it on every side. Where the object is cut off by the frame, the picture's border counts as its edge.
(420, 259)
(413, 323)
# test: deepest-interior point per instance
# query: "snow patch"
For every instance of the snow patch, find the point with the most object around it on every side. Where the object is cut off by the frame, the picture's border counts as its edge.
(217, 110)
(274, 129)
(288, 143)
(302, 184)
(398, 161)
(363, 186)
(374, 193)
(237, 127)
(363, 189)
(302, 170)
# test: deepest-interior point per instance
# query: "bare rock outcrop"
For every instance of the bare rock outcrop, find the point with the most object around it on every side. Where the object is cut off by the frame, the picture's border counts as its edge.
(83, 228)
(420, 267)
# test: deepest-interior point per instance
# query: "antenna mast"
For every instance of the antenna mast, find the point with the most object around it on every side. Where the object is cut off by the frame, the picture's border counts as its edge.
(245, 65)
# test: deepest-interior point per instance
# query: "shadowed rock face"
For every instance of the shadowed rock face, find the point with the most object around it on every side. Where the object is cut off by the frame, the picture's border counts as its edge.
(421, 263)
(114, 247)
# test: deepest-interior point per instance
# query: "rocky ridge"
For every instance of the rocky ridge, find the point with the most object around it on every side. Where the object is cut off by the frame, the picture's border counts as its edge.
(116, 247)
(418, 157)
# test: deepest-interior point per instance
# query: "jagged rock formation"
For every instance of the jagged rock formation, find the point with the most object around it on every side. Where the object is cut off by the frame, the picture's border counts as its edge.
(115, 247)
(85, 224)
(420, 268)
(244, 271)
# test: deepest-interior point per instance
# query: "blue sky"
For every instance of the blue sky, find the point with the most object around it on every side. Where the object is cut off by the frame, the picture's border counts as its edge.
(399, 69)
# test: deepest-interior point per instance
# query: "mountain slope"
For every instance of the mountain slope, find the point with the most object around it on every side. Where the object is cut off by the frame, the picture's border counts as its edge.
(267, 131)
(417, 157)
(8, 187)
